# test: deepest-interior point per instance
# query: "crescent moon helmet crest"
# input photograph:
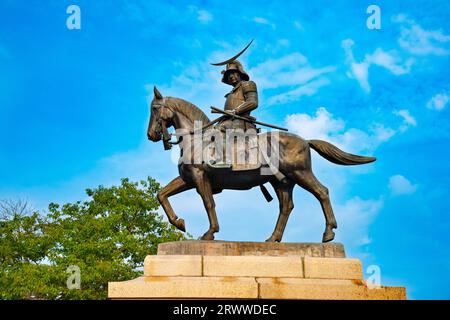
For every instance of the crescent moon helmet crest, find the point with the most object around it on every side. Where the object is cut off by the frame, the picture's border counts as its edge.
(233, 58)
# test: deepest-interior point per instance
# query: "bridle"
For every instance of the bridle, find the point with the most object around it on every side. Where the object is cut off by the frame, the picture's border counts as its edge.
(161, 127)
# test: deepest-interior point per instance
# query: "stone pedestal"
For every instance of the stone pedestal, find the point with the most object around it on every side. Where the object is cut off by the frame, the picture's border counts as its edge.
(250, 270)
(234, 248)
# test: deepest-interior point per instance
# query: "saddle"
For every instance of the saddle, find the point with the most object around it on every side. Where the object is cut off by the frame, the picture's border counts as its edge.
(238, 152)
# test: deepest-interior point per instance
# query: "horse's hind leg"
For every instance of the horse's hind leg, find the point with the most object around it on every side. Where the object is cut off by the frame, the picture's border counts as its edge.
(174, 187)
(284, 194)
(307, 180)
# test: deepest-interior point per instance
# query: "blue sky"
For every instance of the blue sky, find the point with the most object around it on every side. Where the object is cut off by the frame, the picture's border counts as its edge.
(74, 112)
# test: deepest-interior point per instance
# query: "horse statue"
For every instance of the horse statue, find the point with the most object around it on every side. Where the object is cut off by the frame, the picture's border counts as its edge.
(294, 164)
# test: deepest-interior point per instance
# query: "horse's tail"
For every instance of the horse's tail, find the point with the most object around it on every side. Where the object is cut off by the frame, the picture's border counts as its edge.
(336, 155)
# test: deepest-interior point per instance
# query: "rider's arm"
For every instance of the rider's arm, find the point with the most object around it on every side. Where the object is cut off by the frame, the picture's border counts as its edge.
(251, 98)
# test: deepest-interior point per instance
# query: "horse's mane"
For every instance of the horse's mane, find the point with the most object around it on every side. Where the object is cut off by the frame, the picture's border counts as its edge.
(188, 109)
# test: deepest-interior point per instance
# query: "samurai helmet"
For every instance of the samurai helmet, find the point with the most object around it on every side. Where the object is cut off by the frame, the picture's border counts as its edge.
(234, 66)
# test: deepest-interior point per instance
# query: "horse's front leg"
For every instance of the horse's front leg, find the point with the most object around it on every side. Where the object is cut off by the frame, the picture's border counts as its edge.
(177, 185)
(204, 189)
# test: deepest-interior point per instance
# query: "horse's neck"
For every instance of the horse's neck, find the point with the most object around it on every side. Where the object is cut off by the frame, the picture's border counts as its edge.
(181, 122)
(186, 115)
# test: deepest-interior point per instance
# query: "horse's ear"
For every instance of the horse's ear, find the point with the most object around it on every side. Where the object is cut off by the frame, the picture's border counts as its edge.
(158, 94)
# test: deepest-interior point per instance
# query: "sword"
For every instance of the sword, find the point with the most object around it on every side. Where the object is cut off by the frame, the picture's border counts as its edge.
(217, 110)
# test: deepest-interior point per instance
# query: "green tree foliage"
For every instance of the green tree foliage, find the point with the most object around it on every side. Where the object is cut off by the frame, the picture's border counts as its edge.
(106, 237)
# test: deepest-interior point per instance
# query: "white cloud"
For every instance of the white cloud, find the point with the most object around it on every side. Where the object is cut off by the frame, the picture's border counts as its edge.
(387, 60)
(261, 20)
(199, 83)
(418, 41)
(321, 126)
(404, 113)
(438, 102)
(289, 70)
(408, 119)
(358, 71)
(399, 185)
(390, 61)
(264, 21)
(287, 62)
(284, 42)
(381, 133)
(355, 216)
(325, 126)
(204, 16)
(307, 89)
(298, 26)
(292, 71)
(401, 18)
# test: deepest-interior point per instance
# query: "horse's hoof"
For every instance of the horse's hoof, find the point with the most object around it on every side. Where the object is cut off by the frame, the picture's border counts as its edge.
(207, 236)
(328, 236)
(179, 223)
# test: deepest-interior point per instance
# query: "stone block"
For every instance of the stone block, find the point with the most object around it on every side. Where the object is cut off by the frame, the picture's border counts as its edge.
(332, 268)
(253, 266)
(177, 265)
(324, 289)
(184, 288)
(387, 293)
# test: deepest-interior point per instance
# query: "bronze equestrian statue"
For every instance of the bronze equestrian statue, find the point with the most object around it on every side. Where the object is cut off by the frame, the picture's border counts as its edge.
(294, 156)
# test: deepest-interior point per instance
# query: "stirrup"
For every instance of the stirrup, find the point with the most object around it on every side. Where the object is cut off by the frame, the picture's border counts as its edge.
(219, 165)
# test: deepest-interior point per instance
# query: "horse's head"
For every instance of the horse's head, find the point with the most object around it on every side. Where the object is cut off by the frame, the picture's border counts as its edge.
(160, 116)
